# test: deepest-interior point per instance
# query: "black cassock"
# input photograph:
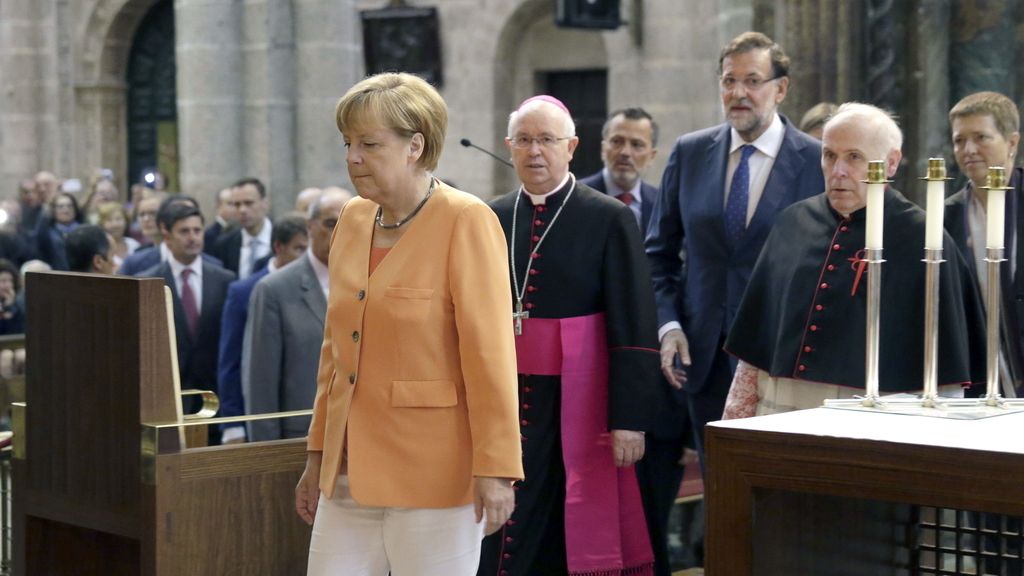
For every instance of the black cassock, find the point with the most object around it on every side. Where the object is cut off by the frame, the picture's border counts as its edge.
(804, 313)
(592, 261)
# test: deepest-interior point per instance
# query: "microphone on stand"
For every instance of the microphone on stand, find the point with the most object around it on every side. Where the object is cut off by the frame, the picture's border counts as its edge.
(465, 142)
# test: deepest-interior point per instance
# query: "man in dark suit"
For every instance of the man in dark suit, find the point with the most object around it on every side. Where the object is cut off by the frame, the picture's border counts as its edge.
(199, 289)
(628, 141)
(241, 249)
(720, 193)
(986, 132)
(223, 220)
(289, 241)
(628, 146)
(281, 353)
(139, 262)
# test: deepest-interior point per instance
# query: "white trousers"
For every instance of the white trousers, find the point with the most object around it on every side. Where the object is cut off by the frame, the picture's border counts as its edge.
(354, 540)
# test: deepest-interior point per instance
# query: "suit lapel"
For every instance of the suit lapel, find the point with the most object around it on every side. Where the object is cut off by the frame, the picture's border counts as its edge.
(717, 157)
(312, 294)
(783, 175)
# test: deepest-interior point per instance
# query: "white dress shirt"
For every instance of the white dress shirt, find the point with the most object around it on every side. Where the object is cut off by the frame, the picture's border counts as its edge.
(322, 274)
(761, 161)
(195, 281)
(253, 248)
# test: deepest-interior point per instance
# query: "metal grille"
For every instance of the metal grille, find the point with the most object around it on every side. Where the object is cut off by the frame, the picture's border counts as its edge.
(951, 541)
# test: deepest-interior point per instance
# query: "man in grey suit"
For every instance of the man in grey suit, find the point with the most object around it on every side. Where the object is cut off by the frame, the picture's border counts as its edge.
(281, 350)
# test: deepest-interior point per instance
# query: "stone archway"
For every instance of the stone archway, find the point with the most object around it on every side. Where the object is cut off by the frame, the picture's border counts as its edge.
(530, 46)
(103, 42)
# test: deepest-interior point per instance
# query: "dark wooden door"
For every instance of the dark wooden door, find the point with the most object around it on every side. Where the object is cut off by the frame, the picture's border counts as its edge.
(152, 98)
(585, 93)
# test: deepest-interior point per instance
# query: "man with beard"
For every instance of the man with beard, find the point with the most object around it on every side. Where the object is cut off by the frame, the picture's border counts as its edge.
(720, 193)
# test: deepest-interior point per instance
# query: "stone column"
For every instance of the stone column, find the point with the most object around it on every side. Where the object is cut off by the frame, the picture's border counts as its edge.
(328, 61)
(21, 57)
(209, 85)
(926, 126)
(982, 48)
(269, 87)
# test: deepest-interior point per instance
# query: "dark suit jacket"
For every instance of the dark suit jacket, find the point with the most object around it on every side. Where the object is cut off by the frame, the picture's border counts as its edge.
(229, 356)
(648, 197)
(690, 214)
(142, 260)
(197, 360)
(212, 233)
(1012, 314)
(229, 249)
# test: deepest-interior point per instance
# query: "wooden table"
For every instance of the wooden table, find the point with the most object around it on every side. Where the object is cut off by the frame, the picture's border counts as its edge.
(829, 491)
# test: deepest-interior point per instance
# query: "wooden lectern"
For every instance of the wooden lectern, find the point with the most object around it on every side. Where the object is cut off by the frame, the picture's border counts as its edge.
(834, 492)
(90, 496)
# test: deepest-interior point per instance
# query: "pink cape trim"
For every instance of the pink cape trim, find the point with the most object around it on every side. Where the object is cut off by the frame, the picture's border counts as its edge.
(605, 529)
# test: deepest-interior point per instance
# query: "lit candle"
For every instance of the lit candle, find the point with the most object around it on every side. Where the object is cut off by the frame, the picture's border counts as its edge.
(936, 203)
(996, 208)
(876, 204)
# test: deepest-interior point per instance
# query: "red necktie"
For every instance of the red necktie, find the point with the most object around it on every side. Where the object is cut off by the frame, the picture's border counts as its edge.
(626, 198)
(188, 304)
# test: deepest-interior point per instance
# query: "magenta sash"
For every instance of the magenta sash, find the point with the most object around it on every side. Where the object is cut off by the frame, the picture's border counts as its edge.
(605, 530)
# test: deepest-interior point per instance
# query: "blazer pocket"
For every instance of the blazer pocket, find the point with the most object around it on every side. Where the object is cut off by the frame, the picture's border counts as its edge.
(409, 293)
(423, 394)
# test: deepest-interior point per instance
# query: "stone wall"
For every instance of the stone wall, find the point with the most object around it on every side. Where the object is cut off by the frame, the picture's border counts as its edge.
(258, 79)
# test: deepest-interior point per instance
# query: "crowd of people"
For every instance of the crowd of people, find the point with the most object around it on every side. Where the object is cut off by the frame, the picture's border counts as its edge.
(510, 388)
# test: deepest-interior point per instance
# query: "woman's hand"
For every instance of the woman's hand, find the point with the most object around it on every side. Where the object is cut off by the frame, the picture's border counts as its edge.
(307, 491)
(494, 500)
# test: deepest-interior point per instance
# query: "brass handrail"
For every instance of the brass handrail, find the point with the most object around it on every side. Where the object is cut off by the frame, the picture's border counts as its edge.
(151, 446)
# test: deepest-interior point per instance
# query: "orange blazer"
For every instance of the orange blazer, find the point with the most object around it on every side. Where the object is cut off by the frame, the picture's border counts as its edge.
(417, 375)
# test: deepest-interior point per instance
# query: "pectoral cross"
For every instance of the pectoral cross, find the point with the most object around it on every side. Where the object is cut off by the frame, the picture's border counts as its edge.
(518, 317)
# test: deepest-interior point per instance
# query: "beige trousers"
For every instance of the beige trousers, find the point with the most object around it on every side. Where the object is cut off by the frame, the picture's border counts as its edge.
(354, 540)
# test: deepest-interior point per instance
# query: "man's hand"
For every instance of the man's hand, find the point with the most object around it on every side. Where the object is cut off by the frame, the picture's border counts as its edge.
(494, 500)
(307, 491)
(673, 345)
(627, 446)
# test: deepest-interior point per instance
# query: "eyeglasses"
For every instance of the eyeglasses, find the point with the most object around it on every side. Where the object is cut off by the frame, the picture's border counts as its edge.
(750, 84)
(546, 141)
(147, 215)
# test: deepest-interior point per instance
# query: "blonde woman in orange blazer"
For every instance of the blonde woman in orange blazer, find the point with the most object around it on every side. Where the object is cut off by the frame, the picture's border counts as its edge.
(414, 440)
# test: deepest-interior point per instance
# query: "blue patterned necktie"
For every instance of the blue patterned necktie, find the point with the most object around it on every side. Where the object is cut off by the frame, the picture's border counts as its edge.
(739, 194)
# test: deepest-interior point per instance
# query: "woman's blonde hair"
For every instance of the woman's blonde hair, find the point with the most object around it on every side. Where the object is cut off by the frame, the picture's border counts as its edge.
(401, 102)
(106, 210)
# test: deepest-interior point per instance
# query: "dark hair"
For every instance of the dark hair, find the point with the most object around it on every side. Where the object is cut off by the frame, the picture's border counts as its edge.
(749, 41)
(634, 113)
(82, 243)
(287, 227)
(176, 208)
(74, 205)
(9, 267)
(255, 182)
